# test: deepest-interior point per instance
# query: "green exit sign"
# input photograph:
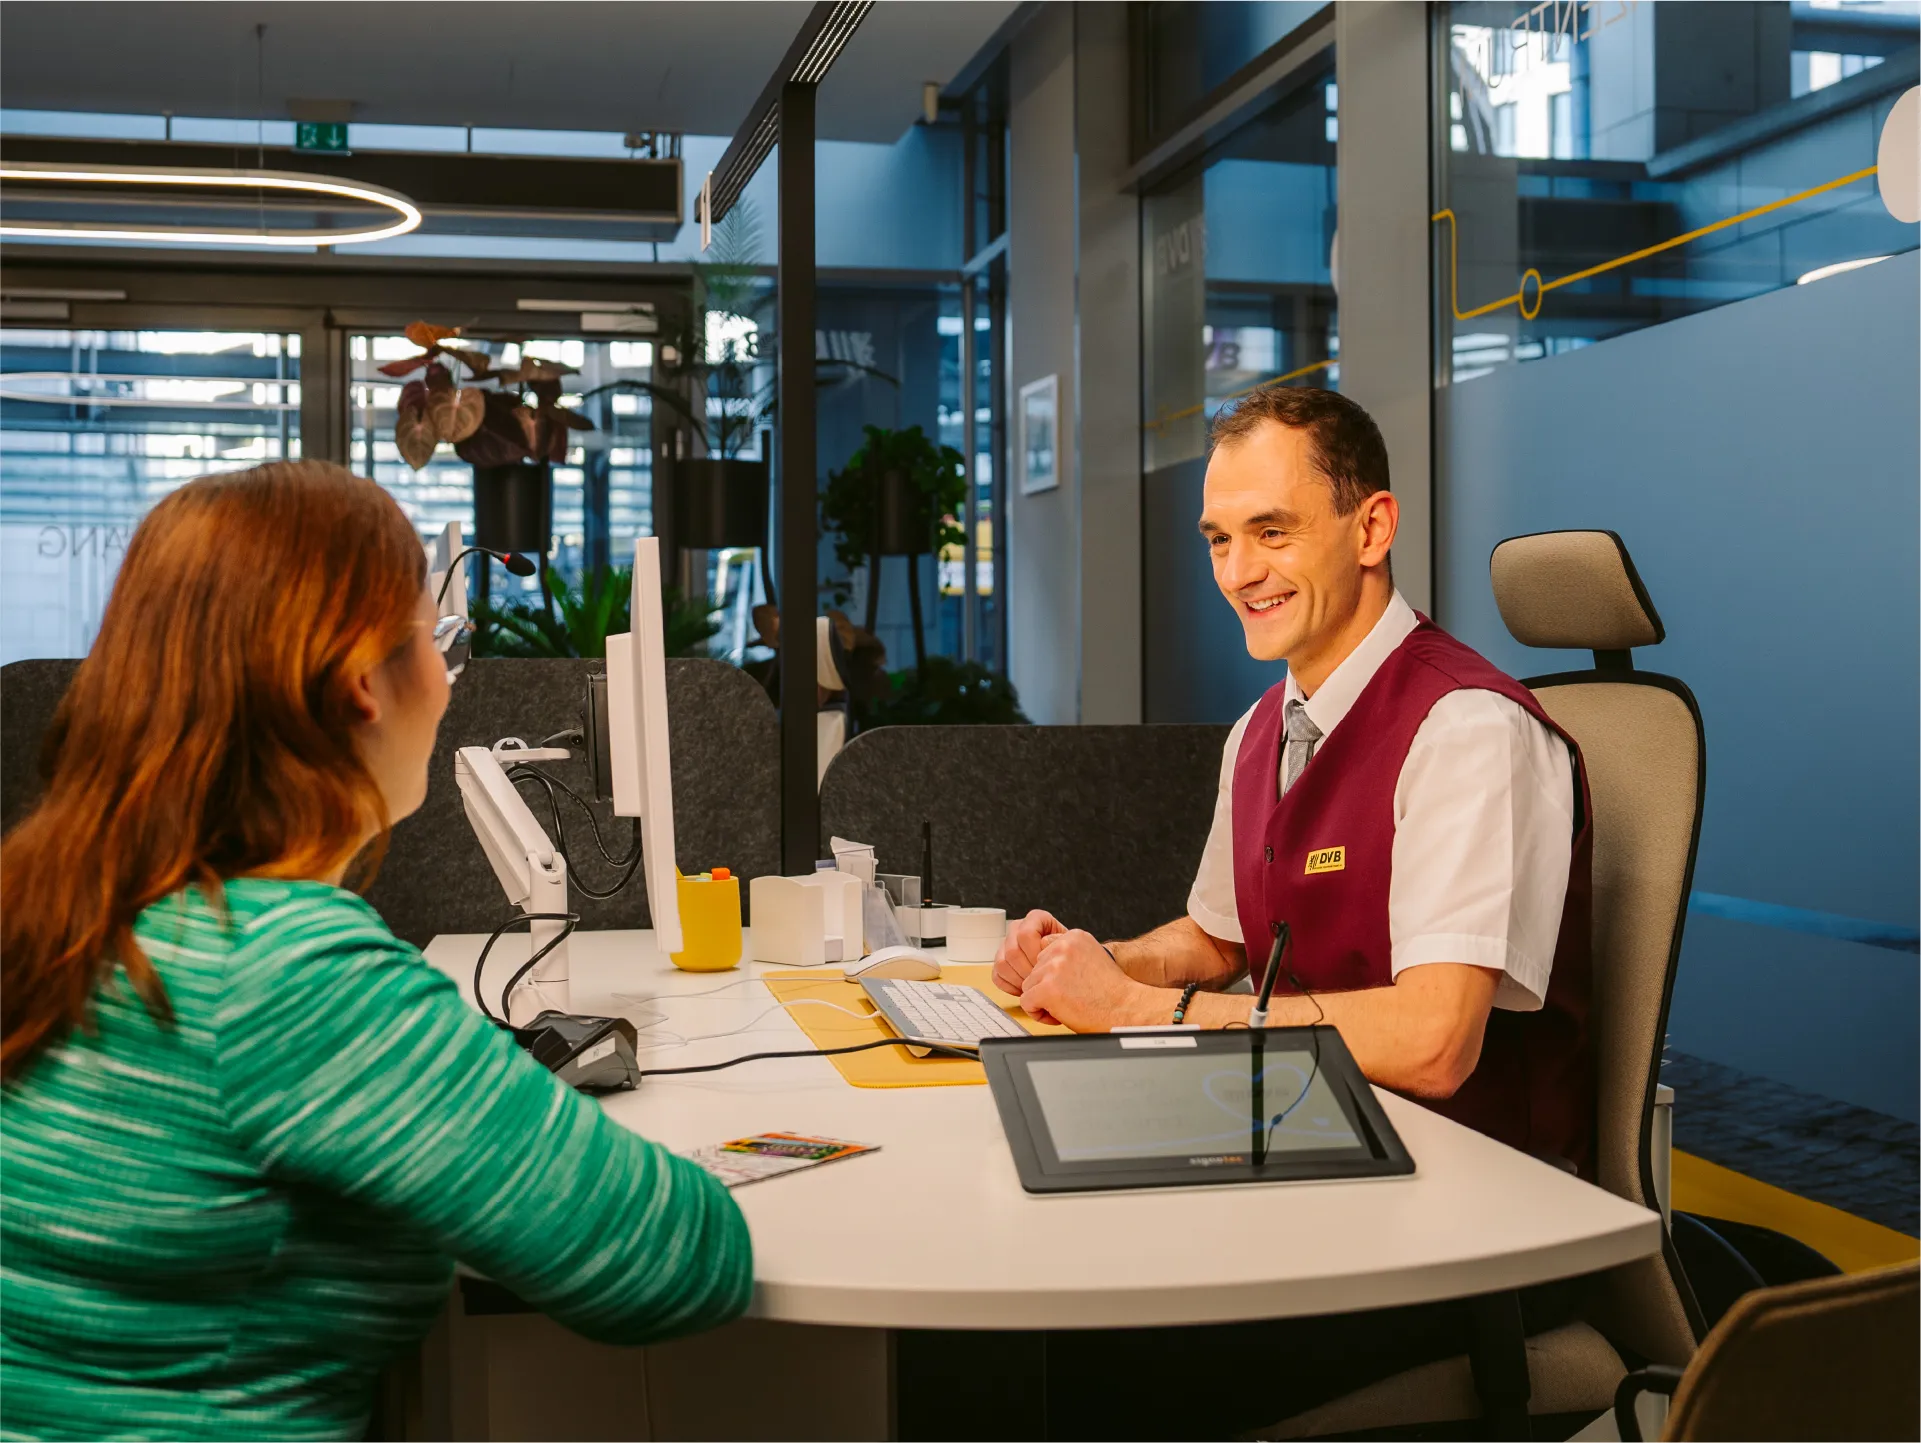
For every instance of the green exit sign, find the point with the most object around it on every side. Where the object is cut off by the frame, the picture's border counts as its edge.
(322, 135)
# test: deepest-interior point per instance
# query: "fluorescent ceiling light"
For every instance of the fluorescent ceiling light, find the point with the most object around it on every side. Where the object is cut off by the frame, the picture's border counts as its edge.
(331, 187)
(1821, 273)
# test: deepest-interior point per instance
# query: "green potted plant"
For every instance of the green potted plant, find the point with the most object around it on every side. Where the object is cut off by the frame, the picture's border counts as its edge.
(898, 495)
(583, 617)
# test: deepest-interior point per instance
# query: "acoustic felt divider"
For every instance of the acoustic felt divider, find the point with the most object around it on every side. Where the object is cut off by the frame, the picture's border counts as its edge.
(1101, 825)
(888, 1066)
(30, 692)
(435, 878)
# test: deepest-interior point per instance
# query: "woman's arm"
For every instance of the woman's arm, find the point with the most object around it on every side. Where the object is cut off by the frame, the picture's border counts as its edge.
(351, 1065)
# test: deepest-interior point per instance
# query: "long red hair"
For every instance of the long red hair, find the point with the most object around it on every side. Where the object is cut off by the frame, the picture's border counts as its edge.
(209, 732)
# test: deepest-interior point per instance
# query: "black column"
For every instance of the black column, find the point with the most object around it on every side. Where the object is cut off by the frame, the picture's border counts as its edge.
(799, 536)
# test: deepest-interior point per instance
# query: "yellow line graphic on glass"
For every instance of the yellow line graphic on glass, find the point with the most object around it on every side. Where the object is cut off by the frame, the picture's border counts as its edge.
(1541, 287)
(1161, 422)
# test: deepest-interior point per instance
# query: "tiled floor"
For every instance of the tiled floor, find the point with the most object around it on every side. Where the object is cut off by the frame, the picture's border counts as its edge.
(1863, 1162)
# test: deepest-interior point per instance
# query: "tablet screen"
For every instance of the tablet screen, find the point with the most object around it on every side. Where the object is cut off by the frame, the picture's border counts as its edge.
(1190, 1105)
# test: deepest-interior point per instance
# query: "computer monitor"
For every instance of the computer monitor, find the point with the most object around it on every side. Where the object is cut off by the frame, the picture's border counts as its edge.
(639, 757)
(442, 550)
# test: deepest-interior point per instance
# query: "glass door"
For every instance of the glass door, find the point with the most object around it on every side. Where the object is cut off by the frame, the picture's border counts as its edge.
(95, 427)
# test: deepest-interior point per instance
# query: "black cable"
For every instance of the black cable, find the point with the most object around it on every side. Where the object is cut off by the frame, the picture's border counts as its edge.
(551, 781)
(630, 864)
(572, 919)
(1314, 1071)
(941, 1047)
(593, 820)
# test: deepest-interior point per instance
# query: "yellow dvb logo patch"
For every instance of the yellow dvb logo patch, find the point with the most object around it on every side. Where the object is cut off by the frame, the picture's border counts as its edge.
(1328, 859)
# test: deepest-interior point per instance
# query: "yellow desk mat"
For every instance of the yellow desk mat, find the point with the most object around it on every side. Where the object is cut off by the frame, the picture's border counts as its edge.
(888, 1066)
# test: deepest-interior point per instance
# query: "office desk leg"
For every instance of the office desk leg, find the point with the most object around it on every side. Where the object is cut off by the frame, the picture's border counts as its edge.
(1497, 1348)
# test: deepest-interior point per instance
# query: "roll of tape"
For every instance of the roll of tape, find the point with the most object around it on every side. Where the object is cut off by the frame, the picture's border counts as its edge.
(974, 933)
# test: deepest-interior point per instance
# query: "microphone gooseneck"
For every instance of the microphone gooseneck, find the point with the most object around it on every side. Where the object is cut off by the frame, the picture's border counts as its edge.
(1258, 1017)
(516, 563)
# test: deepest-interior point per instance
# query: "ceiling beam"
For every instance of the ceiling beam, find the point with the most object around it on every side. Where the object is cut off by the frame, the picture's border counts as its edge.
(824, 34)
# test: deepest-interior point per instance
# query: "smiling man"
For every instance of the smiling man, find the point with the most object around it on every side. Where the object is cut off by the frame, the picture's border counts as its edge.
(1407, 809)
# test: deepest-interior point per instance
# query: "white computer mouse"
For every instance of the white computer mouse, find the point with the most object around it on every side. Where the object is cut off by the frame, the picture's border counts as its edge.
(903, 964)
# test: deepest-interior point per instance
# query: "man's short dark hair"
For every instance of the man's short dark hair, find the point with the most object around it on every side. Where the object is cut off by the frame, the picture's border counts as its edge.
(1347, 444)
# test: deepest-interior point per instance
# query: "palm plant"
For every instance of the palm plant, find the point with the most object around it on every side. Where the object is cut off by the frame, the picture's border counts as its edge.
(583, 617)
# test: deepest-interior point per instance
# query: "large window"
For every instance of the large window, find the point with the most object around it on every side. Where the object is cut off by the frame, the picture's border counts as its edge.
(1235, 261)
(95, 427)
(1187, 50)
(1237, 253)
(1602, 168)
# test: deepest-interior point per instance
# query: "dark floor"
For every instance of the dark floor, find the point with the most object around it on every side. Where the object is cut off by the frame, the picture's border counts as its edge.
(1863, 1162)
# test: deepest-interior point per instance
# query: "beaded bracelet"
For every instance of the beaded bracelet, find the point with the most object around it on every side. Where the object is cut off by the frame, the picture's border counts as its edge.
(1187, 996)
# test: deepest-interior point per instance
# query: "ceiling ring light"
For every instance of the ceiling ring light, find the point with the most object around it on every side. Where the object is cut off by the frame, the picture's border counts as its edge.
(292, 182)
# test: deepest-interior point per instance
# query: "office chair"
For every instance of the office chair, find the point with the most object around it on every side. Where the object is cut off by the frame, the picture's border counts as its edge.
(1640, 735)
(1829, 1358)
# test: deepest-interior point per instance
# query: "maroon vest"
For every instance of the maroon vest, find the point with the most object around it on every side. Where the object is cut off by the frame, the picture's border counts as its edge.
(1320, 859)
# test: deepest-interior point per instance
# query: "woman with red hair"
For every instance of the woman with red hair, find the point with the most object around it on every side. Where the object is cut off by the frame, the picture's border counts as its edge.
(247, 1131)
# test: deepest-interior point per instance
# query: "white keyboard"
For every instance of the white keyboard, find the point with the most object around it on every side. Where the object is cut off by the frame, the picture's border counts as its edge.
(940, 1012)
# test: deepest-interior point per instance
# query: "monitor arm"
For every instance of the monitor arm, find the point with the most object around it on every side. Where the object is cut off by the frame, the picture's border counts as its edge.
(531, 869)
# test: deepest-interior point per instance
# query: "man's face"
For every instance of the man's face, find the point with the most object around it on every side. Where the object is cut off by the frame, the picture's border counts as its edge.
(1291, 567)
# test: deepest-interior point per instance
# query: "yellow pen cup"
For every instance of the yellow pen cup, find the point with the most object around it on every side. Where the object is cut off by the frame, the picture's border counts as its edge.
(709, 922)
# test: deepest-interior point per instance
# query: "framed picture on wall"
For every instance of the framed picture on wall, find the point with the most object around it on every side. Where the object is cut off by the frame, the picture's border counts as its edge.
(1040, 435)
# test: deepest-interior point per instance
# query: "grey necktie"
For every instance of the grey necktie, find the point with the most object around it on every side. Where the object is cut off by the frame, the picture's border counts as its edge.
(1302, 735)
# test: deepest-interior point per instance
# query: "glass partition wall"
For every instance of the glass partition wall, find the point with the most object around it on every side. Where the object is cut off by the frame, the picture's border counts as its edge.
(1237, 256)
(1604, 168)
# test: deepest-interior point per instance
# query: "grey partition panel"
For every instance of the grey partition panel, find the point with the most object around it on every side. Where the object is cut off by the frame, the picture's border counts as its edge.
(435, 878)
(1101, 825)
(726, 794)
(30, 692)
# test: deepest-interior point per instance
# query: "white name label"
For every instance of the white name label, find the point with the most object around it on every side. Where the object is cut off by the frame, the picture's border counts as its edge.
(1162, 1040)
(602, 1048)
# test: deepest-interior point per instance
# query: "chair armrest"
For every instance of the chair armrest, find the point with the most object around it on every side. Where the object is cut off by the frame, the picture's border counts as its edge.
(1655, 1378)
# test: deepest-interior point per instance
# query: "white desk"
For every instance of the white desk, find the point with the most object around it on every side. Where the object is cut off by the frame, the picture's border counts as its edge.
(934, 1230)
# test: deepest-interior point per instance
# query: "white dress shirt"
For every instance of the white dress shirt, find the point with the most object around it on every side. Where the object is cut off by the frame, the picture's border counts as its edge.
(1483, 828)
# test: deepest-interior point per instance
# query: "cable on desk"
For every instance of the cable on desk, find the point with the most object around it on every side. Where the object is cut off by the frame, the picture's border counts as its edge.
(571, 919)
(967, 1053)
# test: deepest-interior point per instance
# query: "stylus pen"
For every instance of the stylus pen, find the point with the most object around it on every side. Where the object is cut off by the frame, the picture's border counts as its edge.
(1257, 1112)
(1258, 1017)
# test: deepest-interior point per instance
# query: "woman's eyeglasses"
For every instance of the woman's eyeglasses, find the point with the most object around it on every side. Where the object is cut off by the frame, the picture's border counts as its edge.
(454, 640)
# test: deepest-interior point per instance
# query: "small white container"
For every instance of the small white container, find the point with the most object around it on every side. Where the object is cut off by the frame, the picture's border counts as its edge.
(974, 933)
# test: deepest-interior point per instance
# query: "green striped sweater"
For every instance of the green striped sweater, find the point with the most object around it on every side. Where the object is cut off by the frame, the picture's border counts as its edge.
(224, 1227)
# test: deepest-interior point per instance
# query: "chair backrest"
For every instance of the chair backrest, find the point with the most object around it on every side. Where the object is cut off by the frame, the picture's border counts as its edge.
(435, 878)
(1101, 825)
(1640, 737)
(1831, 1358)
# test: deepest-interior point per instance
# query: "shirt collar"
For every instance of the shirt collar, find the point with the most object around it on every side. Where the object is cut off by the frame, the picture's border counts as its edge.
(1346, 682)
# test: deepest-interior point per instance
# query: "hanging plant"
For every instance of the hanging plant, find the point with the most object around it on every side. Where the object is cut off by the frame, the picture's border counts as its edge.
(518, 417)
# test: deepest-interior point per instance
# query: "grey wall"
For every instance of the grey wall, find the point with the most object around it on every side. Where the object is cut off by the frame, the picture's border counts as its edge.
(1044, 534)
(1381, 65)
(1760, 460)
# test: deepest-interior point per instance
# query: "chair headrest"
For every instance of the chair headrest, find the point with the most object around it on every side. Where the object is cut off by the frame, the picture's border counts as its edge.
(1573, 589)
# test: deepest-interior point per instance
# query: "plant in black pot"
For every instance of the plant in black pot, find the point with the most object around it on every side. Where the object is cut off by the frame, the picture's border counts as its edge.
(897, 496)
(508, 424)
(582, 619)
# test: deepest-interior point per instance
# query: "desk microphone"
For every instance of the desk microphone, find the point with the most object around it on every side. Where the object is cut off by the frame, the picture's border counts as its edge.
(1258, 1017)
(512, 560)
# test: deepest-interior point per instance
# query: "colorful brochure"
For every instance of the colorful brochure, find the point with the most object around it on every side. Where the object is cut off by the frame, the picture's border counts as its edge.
(770, 1154)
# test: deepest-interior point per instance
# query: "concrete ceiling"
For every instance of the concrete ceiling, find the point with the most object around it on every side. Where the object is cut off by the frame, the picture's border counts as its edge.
(692, 66)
